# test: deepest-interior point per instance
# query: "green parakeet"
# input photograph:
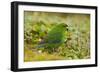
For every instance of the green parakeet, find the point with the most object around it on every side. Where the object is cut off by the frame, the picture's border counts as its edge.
(55, 37)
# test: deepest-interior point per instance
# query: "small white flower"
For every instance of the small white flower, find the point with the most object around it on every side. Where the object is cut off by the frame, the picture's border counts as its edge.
(40, 51)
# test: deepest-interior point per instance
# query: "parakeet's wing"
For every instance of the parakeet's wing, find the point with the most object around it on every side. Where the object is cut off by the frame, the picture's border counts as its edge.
(55, 37)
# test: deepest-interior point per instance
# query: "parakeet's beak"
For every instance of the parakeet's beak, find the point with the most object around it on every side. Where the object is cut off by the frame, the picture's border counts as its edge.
(66, 27)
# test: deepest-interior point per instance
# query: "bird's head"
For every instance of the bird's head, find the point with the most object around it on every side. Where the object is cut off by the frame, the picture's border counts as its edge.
(64, 26)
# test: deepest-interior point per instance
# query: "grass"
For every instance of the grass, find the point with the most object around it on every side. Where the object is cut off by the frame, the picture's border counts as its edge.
(37, 25)
(31, 55)
(63, 54)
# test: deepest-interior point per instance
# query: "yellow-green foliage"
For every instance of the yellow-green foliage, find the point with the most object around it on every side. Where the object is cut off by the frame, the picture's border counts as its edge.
(38, 24)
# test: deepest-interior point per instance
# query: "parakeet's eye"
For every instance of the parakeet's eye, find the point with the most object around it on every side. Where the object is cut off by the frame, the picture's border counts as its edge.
(65, 25)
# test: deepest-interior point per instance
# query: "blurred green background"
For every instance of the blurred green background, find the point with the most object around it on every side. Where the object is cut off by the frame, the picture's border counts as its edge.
(38, 24)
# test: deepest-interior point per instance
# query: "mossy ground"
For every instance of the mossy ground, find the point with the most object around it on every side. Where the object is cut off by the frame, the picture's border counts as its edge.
(37, 25)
